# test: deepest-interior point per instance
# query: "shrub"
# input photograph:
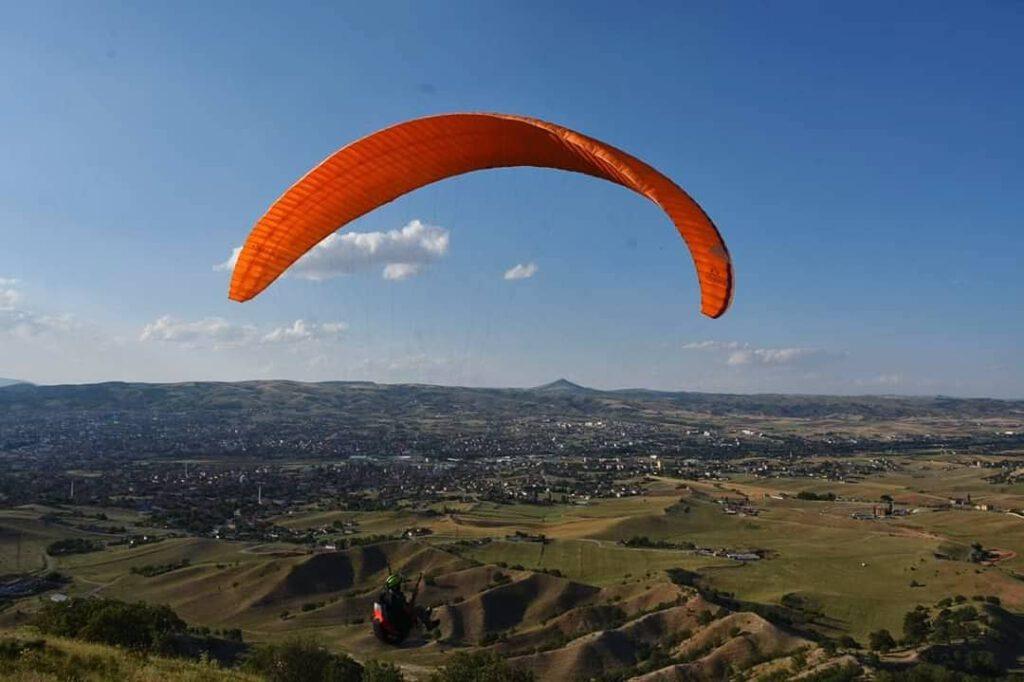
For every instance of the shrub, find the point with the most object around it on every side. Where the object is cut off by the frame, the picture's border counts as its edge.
(72, 546)
(479, 667)
(816, 497)
(848, 642)
(136, 626)
(381, 671)
(881, 640)
(302, 660)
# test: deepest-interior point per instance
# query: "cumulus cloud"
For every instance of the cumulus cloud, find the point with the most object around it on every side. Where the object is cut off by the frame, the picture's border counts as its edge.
(18, 322)
(215, 331)
(229, 264)
(9, 298)
(400, 271)
(521, 271)
(712, 345)
(738, 354)
(771, 356)
(400, 253)
(218, 333)
(30, 326)
(300, 330)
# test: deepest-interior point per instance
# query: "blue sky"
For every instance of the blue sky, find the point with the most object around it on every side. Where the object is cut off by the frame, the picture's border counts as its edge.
(862, 162)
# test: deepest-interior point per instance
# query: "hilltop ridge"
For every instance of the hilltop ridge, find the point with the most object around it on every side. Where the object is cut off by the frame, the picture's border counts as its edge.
(563, 386)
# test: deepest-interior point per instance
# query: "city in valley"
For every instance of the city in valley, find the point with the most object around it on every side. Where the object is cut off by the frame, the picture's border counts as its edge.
(575, 533)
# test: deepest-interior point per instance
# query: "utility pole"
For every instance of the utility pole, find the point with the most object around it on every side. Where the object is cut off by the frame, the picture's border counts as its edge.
(259, 495)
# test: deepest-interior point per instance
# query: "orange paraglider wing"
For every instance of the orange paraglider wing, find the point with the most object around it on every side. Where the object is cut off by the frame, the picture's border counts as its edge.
(384, 166)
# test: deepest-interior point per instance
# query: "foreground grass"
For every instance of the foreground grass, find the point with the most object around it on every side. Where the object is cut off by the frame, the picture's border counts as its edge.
(42, 659)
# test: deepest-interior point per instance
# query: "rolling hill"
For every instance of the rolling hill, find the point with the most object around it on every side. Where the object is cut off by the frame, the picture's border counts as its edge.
(555, 627)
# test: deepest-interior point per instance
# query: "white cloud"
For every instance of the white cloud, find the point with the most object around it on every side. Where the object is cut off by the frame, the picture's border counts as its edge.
(771, 356)
(9, 298)
(28, 326)
(737, 354)
(402, 253)
(218, 333)
(712, 345)
(300, 330)
(209, 331)
(400, 271)
(521, 271)
(229, 264)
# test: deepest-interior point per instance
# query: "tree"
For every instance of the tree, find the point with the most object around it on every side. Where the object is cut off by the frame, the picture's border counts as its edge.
(916, 626)
(480, 667)
(942, 631)
(881, 640)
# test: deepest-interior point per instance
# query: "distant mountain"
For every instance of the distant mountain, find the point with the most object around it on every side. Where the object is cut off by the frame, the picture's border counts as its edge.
(289, 418)
(370, 403)
(10, 382)
(564, 386)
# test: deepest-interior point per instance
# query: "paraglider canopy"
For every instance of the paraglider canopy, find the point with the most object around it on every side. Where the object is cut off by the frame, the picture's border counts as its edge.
(385, 165)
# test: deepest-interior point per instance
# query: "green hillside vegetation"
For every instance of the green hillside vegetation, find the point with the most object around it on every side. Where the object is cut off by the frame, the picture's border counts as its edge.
(26, 657)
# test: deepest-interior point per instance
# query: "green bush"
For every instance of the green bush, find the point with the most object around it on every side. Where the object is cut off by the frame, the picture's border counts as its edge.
(815, 497)
(881, 640)
(72, 546)
(381, 671)
(140, 626)
(479, 667)
(302, 659)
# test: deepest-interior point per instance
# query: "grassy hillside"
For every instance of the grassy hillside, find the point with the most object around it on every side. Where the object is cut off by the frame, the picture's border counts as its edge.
(27, 657)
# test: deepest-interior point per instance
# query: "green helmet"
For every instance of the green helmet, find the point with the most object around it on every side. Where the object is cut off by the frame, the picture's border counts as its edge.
(394, 581)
